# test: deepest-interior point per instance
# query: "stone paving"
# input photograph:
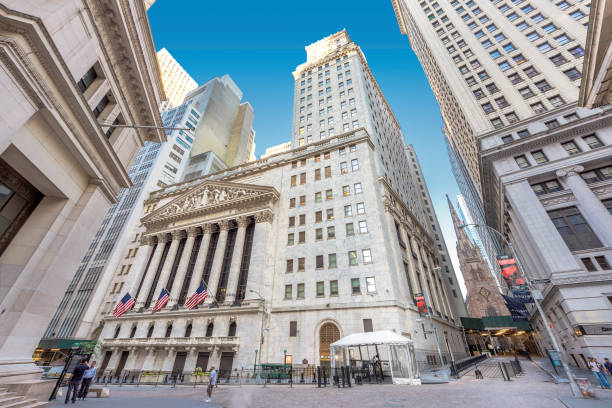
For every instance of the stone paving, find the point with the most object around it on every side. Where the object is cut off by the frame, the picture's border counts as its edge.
(534, 389)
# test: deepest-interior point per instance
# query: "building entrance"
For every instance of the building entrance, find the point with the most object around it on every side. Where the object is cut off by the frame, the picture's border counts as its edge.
(328, 334)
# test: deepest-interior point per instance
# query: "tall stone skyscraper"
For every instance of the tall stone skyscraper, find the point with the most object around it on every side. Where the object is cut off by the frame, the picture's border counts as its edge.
(314, 242)
(483, 295)
(530, 162)
(177, 82)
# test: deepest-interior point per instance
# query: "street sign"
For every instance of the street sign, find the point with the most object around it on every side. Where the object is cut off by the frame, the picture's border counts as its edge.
(540, 281)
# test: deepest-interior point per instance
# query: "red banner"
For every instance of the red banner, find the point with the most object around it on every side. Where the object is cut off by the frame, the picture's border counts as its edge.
(510, 271)
(419, 299)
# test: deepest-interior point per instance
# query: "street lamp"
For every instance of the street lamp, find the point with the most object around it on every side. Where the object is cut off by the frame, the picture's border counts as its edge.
(573, 386)
(261, 335)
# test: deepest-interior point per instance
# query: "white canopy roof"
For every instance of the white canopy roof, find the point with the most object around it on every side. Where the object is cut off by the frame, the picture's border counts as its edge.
(377, 337)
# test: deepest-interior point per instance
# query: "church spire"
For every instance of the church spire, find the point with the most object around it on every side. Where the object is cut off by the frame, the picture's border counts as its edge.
(463, 240)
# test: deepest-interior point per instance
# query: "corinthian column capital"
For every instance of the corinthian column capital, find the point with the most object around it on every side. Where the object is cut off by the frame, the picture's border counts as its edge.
(243, 221)
(178, 234)
(192, 231)
(224, 225)
(570, 171)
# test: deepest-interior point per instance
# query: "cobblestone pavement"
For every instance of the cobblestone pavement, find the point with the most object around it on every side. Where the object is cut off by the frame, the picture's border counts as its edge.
(534, 389)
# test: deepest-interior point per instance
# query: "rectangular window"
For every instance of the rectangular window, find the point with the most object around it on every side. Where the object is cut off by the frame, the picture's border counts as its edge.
(319, 262)
(522, 162)
(87, 79)
(288, 291)
(355, 287)
(301, 264)
(367, 324)
(574, 229)
(318, 216)
(289, 267)
(319, 234)
(302, 237)
(290, 239)
(292, 329)
(302, 178)
(360, 208)
(357, 188)
(367, 255)
(539, 156)
(291, 221)
(292, 203)
(300, 291)
(363, 227)
(318, 197)
(320, 289)
(317, 174)
(333, 288)
(352, 258)
(327, 171)
(343, 168)
(331, 232)
(570, 147)
(350, 229)
(348, 210)
(302, 201)
(346, 191)
(331, 260)
(370, 285)
(302, 219)
(354, 165)
(330, 214)
(329, 194)
(592, 141)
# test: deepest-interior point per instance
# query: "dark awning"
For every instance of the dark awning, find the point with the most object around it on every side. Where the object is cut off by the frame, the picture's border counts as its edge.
(62, 343)
(493, 323)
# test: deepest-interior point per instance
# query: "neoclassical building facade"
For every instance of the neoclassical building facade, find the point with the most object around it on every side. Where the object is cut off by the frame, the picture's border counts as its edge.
(320, 249)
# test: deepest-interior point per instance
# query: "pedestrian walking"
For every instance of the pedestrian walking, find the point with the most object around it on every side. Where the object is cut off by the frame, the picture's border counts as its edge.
(212, 381)
(598, 372)
(88, 377)
(608, 365)
(75, 381)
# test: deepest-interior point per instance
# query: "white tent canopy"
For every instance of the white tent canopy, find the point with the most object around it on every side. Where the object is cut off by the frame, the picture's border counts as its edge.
(371, 338)
(399, 349)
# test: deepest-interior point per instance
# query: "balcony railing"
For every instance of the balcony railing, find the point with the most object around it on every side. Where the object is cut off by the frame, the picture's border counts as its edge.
(172, 341)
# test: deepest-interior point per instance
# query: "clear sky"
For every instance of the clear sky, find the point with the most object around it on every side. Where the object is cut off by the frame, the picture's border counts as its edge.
(259, 44)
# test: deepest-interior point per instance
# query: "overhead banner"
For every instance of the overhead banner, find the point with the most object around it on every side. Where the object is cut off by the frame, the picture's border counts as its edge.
(510, 272)
(419, 299)
(523, 294)
(517, 309)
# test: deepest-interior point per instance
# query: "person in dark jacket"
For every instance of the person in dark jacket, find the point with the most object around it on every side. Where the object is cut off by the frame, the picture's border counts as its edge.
(75, 380)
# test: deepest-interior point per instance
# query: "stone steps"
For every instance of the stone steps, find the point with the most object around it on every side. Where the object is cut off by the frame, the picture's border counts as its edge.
(12, 400)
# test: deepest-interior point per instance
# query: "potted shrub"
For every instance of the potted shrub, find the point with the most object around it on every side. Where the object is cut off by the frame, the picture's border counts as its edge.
(200, 376)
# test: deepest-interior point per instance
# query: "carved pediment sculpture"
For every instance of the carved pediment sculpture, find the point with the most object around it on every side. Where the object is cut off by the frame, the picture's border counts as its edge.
(209, 196)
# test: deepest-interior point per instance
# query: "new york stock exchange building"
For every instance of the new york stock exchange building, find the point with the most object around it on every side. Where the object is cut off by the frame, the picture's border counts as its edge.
(307, 246)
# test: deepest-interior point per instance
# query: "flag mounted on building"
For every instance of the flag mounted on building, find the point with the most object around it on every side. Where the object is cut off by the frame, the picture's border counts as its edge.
(161, 301)
(198, 297)
(419, 299)
(124, 305)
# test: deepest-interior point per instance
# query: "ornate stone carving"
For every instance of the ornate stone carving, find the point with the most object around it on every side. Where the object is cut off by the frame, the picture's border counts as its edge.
(570, 171)
(224, 225)
(209, 196)
(147, 240)
(177, 234)
(243, 221)
(208, 228)
(193, 231)
(558, 200)
(161, 238)
(264, 216)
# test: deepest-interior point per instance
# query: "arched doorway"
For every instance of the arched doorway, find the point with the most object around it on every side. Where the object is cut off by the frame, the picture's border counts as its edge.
(328, 333)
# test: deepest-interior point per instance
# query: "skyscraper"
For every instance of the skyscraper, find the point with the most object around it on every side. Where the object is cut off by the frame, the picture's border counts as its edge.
(311, 243)
(104, 268)
(177, 82)
(529, 162)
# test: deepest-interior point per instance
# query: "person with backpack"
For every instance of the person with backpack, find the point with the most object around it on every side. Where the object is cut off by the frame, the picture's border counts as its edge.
(598, 372)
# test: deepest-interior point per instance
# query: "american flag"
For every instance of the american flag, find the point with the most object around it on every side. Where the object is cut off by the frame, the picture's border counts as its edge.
(198, 297)
(124, 305)
(161, 301)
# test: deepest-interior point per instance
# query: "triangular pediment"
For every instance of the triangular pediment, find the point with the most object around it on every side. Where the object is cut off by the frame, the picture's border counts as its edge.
(211, 196)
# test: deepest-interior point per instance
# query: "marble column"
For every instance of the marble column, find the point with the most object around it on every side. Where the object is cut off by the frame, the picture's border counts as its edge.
(140, 262)
(432, 281)
(261, 255)
(191, 360)
(417, 250)
(149, 359)
(167, 266)
(215, 271)
(181, 270)
(414, 281)
(439, 291)
(198, 267)
(534, 219)
(169, 360)
(150, 272)
(590, 206)
(130, 363)
(234, 273)
(114, 360)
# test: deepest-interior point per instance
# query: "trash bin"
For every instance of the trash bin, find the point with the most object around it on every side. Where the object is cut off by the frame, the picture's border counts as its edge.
(585, 387)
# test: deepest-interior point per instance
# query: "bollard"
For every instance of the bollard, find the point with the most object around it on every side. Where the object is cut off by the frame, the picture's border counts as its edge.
(343, 377)
(302, 378)
(318, 377)
(291, 377)
(324, 379)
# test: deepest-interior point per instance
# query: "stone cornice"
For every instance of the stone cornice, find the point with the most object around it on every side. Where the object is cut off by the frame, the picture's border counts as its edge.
(394, 204)
(276, 160)
(80, 124)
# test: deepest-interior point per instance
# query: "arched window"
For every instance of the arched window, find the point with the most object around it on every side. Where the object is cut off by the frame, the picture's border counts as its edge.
(133, 332)
(117, 330)
(168, 330)
(188, 330)
(150, 332)
(209, 330)
(232, 330)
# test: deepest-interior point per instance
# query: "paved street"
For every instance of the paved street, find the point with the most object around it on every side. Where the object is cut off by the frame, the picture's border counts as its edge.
(534, 389)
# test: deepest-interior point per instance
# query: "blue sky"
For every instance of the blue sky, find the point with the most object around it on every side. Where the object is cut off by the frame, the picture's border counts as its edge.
(259, 44)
